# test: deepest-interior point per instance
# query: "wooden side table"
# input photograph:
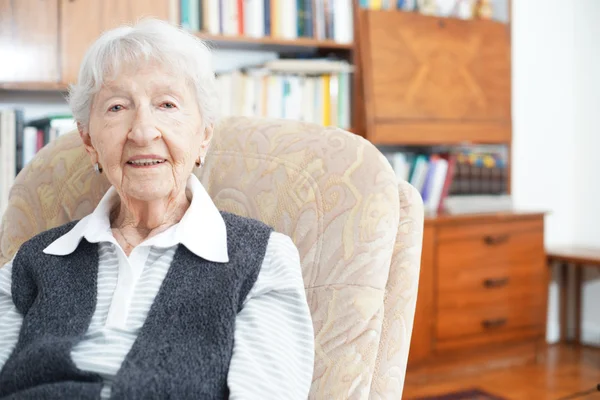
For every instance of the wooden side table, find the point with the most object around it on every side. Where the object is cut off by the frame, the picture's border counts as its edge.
(579, 258)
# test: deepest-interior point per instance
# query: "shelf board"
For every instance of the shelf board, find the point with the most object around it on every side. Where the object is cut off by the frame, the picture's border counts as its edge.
(272, 43)
(34, 86)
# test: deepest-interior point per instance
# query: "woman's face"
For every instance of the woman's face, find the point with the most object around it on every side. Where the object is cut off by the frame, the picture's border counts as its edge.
(146, 132)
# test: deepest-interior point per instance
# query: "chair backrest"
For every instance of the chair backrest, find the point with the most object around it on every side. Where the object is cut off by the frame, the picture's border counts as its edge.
(400, 298)
(332, 192)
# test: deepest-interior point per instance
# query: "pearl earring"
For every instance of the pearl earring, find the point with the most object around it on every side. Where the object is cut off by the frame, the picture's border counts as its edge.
(98, 168)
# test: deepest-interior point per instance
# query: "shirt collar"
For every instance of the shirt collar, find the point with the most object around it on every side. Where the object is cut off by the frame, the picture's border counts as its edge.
(201, 230)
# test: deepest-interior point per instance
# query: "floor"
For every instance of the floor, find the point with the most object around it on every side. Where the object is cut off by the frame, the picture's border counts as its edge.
(566, 370)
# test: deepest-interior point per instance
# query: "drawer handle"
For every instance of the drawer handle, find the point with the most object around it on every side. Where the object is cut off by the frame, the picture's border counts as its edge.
(494, 323)
(495, 282)
(493, 240)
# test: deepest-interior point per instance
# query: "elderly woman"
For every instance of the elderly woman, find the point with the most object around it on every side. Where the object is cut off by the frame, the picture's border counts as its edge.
(157, 294)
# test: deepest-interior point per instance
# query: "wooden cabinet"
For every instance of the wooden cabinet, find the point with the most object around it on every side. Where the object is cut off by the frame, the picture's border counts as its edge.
(483, 289)
(423, 328)
(82, 21)
(430, 80)
(29, 41)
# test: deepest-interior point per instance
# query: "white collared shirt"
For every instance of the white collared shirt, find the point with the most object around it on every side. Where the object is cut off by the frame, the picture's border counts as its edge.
(273, 344)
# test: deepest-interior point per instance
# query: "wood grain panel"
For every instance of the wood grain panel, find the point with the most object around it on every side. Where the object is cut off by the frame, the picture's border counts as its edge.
(79, 32)
(422, 335)
(29, 41)
(490, 319)
(430, 68)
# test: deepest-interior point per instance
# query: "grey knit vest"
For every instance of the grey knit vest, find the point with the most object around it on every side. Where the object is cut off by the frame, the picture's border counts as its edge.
(184, 347)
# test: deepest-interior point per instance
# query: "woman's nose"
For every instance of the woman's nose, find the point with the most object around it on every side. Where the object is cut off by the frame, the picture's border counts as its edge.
(144, 128)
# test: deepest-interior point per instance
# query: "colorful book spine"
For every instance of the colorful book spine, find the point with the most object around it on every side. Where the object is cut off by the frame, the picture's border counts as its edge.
(184, 6)
(308, 18)
(240, 16)
(267, 16)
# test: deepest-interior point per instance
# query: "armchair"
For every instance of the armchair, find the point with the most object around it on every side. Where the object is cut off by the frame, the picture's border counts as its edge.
(358, 231)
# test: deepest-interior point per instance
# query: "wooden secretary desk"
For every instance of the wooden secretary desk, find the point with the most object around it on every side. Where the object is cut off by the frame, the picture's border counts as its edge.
(429, 81)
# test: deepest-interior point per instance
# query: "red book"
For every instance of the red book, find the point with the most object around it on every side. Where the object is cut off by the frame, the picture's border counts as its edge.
(40, 140)
(240, 7)
(448, 181)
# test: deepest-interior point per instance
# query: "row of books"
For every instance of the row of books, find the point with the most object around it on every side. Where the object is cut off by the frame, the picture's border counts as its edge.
(21, 140)
(457, 181)
(317, 91)
(404, 5)
(286, 19)
(464, 9)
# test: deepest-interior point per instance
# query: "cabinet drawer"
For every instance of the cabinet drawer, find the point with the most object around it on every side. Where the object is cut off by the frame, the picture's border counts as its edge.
(477, 286)
(455, 323)
(506, 247)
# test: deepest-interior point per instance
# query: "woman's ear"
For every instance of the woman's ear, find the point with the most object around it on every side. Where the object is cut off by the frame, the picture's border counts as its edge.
(84, 134)
(208, 135)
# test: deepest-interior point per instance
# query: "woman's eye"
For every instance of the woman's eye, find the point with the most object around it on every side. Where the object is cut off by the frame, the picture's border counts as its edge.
(168, 105)
(115, 108)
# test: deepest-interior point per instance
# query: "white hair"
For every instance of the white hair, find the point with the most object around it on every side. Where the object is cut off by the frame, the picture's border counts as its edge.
(149, 40)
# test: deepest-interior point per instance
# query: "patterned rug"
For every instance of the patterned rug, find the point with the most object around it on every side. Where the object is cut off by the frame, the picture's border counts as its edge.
(472, 394)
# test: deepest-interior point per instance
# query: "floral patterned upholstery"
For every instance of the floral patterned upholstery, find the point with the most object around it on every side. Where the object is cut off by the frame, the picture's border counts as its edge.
(359, 234)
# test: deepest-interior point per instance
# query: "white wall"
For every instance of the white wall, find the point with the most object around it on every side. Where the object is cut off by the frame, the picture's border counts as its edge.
(586, 182)
(556, 93)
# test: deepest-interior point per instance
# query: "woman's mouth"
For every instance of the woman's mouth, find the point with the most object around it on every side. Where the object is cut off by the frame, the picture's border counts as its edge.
(149, 162)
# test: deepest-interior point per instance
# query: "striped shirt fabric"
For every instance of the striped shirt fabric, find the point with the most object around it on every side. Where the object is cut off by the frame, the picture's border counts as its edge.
(274, 346)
